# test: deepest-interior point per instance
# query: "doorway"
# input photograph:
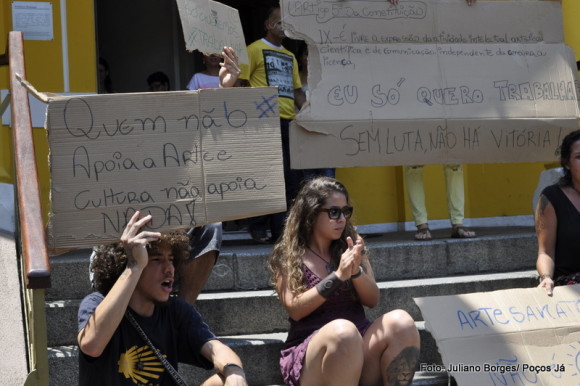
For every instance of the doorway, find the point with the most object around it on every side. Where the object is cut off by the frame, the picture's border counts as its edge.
(139, 37)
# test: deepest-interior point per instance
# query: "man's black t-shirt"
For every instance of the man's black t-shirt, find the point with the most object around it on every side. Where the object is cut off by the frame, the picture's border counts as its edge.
(175, 329)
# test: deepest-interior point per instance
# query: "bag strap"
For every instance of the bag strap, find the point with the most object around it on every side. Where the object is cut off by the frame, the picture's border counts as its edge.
(170, 369)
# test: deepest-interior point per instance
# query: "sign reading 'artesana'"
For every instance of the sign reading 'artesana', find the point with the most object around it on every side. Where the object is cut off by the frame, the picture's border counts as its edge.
(508, 337)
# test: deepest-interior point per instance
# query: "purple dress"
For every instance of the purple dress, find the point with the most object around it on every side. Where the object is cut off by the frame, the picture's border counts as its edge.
(342, 304)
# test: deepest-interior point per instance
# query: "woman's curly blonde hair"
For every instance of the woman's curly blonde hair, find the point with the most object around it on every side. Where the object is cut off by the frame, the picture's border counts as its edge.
(286, 258)
(111, 259)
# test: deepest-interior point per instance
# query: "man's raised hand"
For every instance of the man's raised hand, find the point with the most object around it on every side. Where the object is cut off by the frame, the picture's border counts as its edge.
(135, 240)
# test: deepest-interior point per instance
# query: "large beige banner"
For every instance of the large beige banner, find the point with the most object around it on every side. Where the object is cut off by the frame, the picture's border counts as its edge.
(507, 337)
(432, 82)
(187, 157)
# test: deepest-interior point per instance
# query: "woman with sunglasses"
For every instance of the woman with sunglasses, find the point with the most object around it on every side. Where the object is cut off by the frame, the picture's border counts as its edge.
(321, 271)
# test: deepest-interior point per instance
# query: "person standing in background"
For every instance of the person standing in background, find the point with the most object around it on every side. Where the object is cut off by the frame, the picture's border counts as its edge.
(455, 195)
(158, 81)
(455, 201)
(105, 84)
(273, 65)
(208, 78)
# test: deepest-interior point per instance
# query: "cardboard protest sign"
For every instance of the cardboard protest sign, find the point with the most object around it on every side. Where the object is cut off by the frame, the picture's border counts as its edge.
(427, 82)
(209, 26)
(189, 158)
(507, 337)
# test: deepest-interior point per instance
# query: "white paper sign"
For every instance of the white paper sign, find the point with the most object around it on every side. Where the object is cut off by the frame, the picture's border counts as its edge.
(34, 19)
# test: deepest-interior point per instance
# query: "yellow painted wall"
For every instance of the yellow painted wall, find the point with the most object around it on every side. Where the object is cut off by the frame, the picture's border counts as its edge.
(44, 63)
(379, 192)
(491, 190)
(571, 10)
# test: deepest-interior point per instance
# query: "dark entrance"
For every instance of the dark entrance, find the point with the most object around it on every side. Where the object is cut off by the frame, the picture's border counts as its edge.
(140, 37)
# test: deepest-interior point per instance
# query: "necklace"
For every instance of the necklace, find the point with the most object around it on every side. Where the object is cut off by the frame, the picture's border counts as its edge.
(329, 264)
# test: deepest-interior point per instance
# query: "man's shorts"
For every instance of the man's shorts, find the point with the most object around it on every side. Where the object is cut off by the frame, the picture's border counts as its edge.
(205, 239)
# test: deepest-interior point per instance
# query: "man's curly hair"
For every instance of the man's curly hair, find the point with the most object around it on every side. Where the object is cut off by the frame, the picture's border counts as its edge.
(111, 260)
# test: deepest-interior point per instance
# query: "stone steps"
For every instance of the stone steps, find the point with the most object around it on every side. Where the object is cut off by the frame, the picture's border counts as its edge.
(259, 353)
(241, 265)
(497, 259)
(260, 311)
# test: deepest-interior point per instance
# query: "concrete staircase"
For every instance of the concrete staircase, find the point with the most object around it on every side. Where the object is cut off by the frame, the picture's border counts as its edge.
(239, 306)
(14, 362)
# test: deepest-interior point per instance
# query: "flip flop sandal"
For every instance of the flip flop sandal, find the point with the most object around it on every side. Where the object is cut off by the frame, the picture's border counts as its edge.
(461, 232)
(423, 234)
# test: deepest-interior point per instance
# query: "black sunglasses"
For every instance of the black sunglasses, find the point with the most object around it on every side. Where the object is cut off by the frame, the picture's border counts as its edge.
(334, 212)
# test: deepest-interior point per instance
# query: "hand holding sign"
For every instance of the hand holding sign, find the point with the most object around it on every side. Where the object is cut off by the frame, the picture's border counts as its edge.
(230, 69)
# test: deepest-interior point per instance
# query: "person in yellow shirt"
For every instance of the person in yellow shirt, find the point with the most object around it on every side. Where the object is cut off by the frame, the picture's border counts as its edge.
(273, 65)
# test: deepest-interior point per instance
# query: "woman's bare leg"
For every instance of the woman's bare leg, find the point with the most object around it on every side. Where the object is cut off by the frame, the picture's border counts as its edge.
(334, 356)
(391, 350)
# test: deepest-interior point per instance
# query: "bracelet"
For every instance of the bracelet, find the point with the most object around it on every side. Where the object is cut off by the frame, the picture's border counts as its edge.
(544, 276)
(233, 365)
(360, 272)
(328, 285)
